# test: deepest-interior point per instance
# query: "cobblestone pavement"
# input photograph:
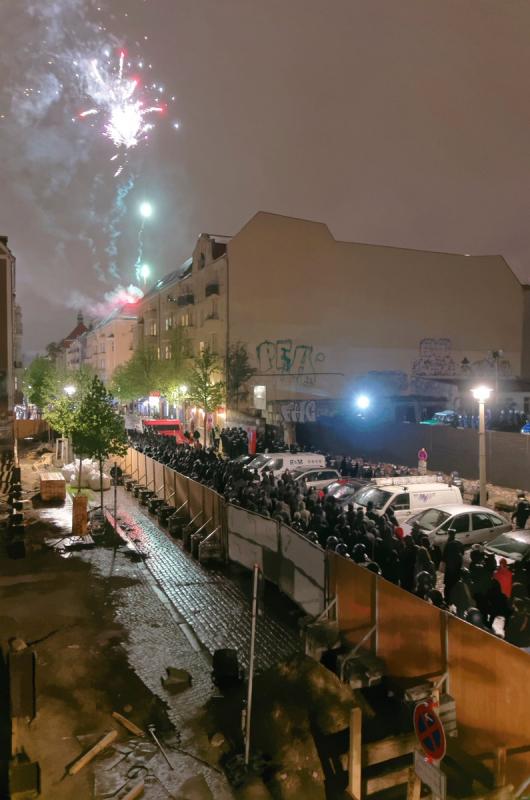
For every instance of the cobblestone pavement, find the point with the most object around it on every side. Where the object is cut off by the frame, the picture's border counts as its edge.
(209, 601)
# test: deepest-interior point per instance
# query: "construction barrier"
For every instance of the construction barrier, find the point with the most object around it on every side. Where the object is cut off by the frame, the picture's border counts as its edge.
(253, 539)
(25, 428)
(486, 676)
(302, 570)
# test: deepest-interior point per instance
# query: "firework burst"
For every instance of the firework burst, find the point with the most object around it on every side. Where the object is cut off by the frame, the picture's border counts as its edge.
(128, 118)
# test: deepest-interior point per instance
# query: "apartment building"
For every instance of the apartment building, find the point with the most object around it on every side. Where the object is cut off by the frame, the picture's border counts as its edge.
(106, 344)
(323, 319)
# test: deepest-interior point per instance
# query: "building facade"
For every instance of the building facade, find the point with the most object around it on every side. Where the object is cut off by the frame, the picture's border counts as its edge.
(105, 345)
(8, 350)
(323, 320)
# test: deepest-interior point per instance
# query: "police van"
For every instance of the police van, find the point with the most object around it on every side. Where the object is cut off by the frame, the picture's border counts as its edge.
(406, 495)
(277, 463)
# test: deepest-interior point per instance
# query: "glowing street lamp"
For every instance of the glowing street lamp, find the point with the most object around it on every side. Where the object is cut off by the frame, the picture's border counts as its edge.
(146, 210)
(482, 394)
(362, 402)
(70, 390)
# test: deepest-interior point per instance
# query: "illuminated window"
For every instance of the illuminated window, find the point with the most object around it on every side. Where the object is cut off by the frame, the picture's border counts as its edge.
(260, 397)
(167, 351)
(153, 328)
(201, 348)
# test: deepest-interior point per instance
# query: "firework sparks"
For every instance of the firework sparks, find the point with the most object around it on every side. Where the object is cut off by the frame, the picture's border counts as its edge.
(114, 95)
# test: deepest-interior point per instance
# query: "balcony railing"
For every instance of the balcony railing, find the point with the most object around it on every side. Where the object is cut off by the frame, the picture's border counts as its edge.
(211, 288)
(186, 300)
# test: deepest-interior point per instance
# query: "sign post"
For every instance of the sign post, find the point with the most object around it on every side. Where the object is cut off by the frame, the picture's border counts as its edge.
(431, 738)
(422, 461)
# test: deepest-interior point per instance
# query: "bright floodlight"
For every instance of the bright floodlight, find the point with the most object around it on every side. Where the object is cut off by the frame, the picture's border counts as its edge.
(145, 271)
(481, 393)
(70, 390)
(146, 210)
(183, 389)
(362, 402)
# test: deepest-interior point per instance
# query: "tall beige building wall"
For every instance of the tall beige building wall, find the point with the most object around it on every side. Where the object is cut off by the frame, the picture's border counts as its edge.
(110, 344)
(317, 314)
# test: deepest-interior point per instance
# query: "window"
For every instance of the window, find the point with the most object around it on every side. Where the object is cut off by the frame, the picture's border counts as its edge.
(201, 348)
(213, 345)
(495, 520)
(112, 346)
(102, 363)
(153, 328)
(430, 519)
(401, 502)
(481, 521)
(167, 351)
(327, 475)
(458, 524)
(169, 322)
(158, 353)
(260, 397)
(202, 261)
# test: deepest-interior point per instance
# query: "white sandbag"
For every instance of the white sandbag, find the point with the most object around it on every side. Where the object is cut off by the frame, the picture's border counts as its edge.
(94, 481)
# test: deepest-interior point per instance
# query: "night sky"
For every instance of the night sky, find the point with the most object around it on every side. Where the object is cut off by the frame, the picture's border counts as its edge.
(400, 122)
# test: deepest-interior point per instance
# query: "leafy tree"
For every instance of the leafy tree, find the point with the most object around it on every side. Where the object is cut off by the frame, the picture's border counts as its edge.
(138, 376)
(36, 382)
(238, 372)
(203, 389)
(171, 373)
(99, 432)
(53, 349)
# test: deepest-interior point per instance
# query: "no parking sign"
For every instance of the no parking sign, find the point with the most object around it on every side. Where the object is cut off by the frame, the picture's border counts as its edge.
(429, 730)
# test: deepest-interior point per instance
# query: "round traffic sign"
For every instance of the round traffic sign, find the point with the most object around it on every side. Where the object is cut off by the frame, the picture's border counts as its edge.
(429, 730)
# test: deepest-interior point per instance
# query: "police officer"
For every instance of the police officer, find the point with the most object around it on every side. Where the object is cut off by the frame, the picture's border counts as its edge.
(522, 511)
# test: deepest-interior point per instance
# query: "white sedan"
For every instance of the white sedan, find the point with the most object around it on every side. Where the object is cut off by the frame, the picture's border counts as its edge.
(470, 523)
(316, 478)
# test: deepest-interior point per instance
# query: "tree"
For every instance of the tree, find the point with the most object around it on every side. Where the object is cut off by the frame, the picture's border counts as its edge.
(100, 432)
(36, 382)
(53, 349)
(203, 389)
(61, 406)
(138, 376)
(171, 373)
(238, 372)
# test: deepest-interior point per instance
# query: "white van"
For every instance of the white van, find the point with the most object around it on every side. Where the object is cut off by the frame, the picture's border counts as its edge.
(407, 495)
(279, 462)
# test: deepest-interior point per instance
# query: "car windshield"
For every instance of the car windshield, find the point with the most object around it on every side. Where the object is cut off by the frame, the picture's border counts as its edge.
(511, 546)
(298, 473)
(260, 461)
(430, 519)
(342, 492)
(371, 494)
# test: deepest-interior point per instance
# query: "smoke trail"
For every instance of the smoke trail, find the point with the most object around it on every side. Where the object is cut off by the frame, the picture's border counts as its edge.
(112, 229)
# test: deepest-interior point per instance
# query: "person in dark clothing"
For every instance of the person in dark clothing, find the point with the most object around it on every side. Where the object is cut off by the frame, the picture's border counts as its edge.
(521, 511)
(481, 582)
(460, 593)
(437, 599)
(370, 513)
(497, 604)
(408, 561)
(453, 556)
(517, 630)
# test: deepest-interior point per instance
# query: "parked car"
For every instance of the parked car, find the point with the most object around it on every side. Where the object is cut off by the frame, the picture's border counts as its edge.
(279, 462)
(511, 545)
(443, 418)
(316, 478)
(526, 429)
(470, 523)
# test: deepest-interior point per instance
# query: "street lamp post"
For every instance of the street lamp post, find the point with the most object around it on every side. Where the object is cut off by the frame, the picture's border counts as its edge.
(482, 393)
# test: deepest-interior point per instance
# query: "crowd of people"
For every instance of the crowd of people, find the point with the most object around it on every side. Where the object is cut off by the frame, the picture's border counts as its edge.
(474, 587)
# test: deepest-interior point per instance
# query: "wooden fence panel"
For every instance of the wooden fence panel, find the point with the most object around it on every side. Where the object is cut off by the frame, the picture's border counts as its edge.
(409, 632)
(353, 586)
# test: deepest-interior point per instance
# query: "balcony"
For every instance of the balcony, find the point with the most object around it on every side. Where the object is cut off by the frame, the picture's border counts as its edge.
(186, 300)
(213, 315)
(211, 288)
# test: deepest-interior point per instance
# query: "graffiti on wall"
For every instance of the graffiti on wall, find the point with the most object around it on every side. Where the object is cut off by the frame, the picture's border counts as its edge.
(299, 411)
(283, 357)
(436, 360)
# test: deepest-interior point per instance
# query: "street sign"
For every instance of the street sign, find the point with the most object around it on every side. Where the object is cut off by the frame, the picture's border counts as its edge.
(431, 775)
(429, 730)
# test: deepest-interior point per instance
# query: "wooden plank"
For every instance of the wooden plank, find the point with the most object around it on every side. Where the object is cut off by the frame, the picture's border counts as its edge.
(93, 752)
(130, 726)
(469, 765)
(500, 767)
(395, 777)
(136, 791)
(413, 785)
(354, 761)
(386, 749)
